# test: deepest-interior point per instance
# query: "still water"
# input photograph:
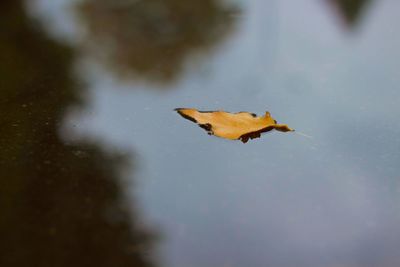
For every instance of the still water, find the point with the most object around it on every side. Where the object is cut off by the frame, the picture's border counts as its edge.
(98, 170)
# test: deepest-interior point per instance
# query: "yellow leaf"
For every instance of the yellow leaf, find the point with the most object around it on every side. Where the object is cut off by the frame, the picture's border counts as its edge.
(241, 125)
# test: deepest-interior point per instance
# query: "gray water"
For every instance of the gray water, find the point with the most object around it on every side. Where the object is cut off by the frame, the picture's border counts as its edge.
(328, 198)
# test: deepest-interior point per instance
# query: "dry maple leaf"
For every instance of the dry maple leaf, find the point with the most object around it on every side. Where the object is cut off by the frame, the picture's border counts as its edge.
(241, 125)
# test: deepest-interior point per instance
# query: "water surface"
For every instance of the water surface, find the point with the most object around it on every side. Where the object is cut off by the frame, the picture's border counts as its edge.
(100, 169)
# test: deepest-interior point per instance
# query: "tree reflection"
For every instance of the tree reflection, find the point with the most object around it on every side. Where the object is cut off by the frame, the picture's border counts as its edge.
(60, 203)
(152, 38)
(350, 10)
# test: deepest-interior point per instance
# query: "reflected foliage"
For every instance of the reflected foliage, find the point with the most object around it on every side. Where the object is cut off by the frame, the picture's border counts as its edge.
(350, 10)
(60, 203)
(151, 39)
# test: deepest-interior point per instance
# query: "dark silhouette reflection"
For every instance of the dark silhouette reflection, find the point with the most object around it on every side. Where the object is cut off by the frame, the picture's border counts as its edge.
(350, 10)
(60, 204)
(151, 39)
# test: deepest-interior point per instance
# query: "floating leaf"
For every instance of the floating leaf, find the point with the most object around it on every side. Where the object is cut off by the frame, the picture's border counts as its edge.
(234, 126)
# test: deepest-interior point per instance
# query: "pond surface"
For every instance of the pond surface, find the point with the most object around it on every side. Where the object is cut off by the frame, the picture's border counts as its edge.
(97, 169)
